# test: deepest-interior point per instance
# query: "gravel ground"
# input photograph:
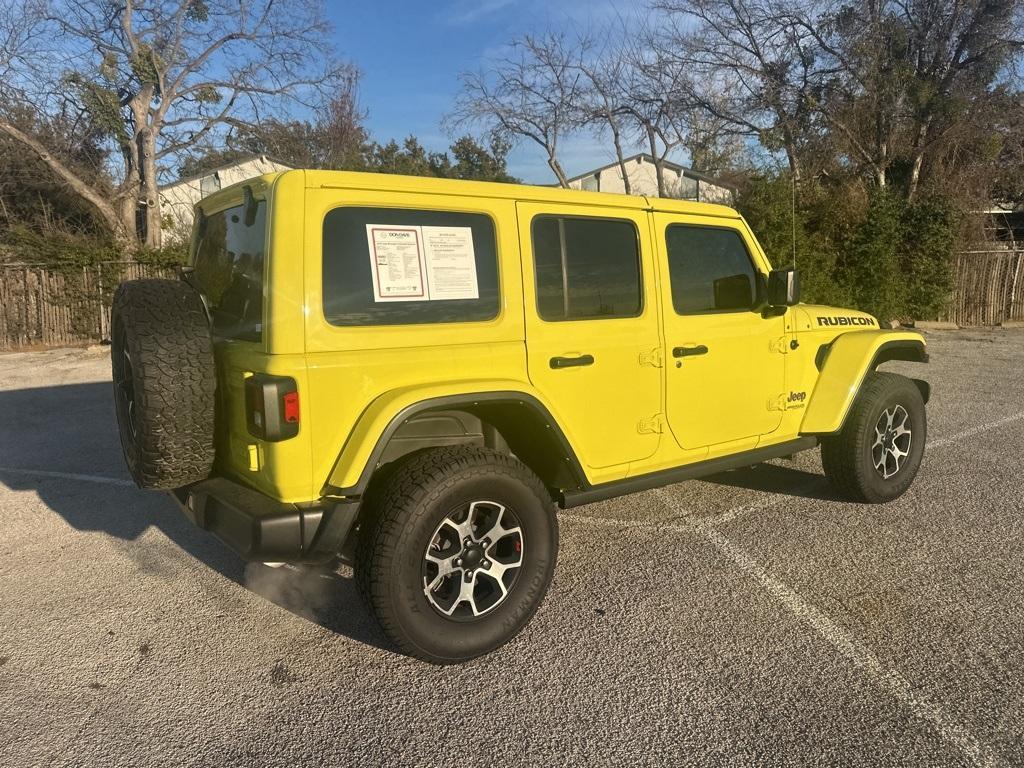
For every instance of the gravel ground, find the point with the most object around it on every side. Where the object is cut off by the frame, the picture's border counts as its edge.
(748, 619)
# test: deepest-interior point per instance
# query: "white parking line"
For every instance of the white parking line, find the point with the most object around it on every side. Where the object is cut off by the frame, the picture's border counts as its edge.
(841, 640)
(974, 431)
(844, 642)
(67, 476)
(861, 656)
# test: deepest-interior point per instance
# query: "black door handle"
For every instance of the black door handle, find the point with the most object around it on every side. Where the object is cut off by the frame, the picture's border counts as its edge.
(689, 351)
(569, 362)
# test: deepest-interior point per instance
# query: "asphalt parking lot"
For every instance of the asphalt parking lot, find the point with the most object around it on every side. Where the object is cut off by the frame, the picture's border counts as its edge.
(748, 619)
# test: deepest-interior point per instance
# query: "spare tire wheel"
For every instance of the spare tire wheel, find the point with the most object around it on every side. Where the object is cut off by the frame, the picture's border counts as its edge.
(164, 382)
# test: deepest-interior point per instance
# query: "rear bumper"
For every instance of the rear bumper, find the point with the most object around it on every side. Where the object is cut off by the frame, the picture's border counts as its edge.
(260, 528)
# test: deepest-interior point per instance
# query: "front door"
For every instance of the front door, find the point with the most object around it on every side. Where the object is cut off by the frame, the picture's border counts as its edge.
(592, 334)
(725, 356)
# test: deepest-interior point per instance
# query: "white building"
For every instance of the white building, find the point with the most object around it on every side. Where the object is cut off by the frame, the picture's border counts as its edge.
(177, 198)
(680, 182)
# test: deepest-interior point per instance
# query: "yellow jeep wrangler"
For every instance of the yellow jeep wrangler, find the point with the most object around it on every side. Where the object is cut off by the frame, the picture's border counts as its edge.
(414, 373)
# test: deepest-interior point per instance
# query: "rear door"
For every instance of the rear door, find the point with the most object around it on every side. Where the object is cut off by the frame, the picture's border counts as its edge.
(592, 331)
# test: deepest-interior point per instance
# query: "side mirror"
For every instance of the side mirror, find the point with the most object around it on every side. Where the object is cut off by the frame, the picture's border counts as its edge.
(783, 287)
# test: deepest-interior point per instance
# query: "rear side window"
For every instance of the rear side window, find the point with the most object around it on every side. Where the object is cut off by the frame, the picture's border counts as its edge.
(710, 270)
(586, 268)
(228, 269)
(396, 266)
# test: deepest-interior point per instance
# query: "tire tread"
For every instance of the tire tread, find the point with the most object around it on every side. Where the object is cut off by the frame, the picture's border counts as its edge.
(166, 330)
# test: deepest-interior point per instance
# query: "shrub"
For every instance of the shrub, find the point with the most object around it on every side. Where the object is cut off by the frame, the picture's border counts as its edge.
(867, 249)
(930, 227)
(767, 204)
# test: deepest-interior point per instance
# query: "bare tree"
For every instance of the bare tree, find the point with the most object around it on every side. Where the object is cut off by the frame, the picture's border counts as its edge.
(605, 100)
(653, 82)
(532, 93)
(162, 76)
(743, 66)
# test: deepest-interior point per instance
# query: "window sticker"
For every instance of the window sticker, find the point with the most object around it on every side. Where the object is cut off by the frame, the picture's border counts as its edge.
(451, 263)
(396, 258)
(422, 263)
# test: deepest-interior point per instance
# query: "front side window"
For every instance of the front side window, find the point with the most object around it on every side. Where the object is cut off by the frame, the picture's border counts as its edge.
(586, 268)
(397, 266)
(228, 269)
(710, 270)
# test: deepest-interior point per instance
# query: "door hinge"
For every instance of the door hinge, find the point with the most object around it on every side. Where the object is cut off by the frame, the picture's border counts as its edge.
(653, 358)
(650, 426)
(780, 345)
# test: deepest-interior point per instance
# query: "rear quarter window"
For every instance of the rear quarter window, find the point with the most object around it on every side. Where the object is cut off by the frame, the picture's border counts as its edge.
(354, 278)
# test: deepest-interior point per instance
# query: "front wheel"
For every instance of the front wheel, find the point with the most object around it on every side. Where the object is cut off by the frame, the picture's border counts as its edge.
(876, 455)
(459, 554)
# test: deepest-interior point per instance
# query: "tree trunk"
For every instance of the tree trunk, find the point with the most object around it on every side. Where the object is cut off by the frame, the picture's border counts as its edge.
(127, 209)
(915, 169)
(659, 171)
(100, 205)
(150, 190)
(556, 167)
(617, 141)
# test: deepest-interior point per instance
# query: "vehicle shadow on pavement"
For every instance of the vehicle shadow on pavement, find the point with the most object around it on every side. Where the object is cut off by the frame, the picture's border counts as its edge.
(72, 429)
(776, 478)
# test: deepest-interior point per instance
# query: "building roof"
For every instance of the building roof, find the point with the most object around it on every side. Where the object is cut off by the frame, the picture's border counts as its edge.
(234, 163)
(674, 167)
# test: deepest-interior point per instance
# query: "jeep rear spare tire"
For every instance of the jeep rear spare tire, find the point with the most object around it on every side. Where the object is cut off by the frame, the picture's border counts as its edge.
(164, 382)
(459, 553)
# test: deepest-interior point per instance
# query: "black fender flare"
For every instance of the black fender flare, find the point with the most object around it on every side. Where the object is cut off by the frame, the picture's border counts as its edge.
(488, 406)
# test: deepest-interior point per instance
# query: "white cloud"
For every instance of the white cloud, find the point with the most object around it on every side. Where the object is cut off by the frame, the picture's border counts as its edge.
(469, 11)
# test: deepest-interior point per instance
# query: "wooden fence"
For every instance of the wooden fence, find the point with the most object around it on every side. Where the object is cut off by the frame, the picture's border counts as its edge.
(44, 306)
(989, 288)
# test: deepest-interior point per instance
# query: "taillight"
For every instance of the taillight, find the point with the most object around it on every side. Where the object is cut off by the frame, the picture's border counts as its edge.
(271, 407)
(291, 407)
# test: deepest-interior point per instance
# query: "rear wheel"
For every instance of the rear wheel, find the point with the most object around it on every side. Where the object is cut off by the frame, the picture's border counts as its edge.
(876, 455)
(460, 553)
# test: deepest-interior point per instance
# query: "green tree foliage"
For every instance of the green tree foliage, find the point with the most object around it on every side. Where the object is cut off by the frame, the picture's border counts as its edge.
(929, 234)
(469, 160)
(473, 161)
(29, 196)
(334, 146)
(337, 140)
(871, 265)
(866, 248)
(806, 234)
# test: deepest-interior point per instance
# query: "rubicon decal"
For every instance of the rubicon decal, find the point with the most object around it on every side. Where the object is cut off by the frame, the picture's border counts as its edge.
(846, 320)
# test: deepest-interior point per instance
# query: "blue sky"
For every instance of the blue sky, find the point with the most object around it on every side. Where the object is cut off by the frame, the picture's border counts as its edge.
(411, 53)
